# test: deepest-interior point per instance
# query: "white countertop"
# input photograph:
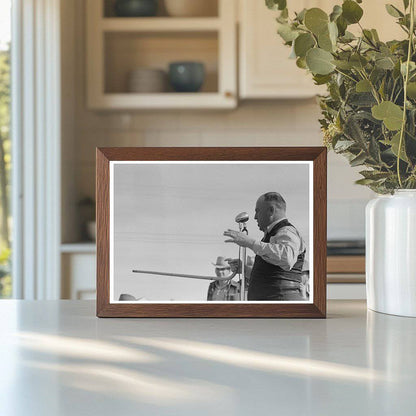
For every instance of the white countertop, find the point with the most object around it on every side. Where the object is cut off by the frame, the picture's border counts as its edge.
(58, 359)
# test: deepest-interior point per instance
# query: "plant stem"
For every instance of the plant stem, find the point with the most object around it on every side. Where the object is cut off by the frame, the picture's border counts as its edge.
(345, 75)
(406, 79)
(373, 90)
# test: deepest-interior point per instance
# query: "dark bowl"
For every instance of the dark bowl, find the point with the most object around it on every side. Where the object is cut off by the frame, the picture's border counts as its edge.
(135, 8)
(186, 76)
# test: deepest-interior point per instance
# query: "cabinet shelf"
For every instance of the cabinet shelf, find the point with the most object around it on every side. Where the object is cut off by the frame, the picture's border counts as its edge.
(117, 46)
(197, 100)
(159, 24)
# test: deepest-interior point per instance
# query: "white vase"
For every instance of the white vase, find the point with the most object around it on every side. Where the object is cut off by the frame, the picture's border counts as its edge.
(391, 253)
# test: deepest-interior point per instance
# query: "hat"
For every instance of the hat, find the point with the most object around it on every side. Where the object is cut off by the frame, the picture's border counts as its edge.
(221, 263)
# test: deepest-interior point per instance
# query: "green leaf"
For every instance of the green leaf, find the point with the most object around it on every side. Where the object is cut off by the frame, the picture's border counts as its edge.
(390, 113)
(411, 90)
(351, 11)
(341, 64)
(358, 61)
(325, 42)
(375, 35)
(406, 4)
(382, 88)
(303, 43)
(336, 12)
(276, 4)
(412, 67)
(394, 144)
(300, 17)
(393, 11)
(361, 99)
(333, 32)
(364, 181)
(316, 20)
(354, 131)
(321, 79)
(286, 32)
(385, 63)
(343, 145)
(374, 175)
(374, 150)
(363, 86)
(342, 25)
(301, 63)
(358, 160)
(319, 61)
(368, 36)
(348, 37)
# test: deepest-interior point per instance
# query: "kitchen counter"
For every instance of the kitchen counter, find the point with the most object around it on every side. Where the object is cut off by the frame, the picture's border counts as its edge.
(57, 358)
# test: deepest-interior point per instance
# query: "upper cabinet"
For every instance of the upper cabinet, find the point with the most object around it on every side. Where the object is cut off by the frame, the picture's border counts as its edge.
(264, 66)
(265, 70)
(129, 58)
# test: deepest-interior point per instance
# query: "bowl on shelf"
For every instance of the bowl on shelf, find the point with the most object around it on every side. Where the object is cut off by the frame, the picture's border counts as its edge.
(186, 76)
(135, 8)
(147, 80)
(191, 8)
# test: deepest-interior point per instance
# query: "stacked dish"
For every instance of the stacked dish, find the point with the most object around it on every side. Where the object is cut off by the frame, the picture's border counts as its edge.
(147, 80)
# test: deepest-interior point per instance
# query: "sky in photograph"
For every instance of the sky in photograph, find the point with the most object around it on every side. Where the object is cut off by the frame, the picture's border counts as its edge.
(171, 218)
(5, 21)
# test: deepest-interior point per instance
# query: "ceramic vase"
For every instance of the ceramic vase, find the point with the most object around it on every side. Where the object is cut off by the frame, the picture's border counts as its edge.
(391, 253)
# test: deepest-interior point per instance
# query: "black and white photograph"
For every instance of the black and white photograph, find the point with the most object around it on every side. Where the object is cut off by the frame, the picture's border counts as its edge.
(211, 231)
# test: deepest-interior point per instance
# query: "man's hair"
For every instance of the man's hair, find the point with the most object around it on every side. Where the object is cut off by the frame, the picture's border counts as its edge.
(276, 199)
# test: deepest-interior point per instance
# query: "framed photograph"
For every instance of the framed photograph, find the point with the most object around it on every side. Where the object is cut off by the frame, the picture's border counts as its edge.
(211, 232)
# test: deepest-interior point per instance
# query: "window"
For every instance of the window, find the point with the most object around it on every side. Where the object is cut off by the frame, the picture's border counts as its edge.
(5, 147)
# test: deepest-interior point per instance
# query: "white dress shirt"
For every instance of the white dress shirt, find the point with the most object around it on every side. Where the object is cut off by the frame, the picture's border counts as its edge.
(284, 247)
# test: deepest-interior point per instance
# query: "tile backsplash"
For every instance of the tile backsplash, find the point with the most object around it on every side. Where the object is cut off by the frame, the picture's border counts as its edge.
(287, 123)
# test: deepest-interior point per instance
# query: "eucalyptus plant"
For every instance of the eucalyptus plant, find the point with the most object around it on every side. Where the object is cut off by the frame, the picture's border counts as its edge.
(369, 112)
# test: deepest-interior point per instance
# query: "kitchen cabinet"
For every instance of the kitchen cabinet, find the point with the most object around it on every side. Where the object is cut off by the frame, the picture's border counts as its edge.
(78, 262)
(118, 45)
(265, 70)
(346, 275)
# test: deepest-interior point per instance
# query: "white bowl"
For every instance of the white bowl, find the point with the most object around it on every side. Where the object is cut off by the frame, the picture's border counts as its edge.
(191, 8)
(145, 80)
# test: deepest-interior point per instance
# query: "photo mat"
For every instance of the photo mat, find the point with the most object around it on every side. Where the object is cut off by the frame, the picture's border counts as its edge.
(168, 218)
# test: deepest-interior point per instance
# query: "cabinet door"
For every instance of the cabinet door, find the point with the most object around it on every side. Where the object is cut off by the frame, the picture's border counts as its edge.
(265, 68)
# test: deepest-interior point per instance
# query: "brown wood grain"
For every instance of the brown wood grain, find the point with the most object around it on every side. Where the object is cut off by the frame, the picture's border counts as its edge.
(317, 309)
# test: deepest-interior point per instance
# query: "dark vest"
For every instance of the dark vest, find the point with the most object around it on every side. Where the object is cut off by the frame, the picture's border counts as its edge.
(266, 279)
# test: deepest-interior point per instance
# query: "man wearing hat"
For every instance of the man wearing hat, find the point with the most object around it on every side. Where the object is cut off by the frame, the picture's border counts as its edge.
(222, 289)
(280, 255)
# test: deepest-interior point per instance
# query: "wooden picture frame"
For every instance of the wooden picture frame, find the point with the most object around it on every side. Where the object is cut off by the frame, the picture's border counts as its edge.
(315, 157)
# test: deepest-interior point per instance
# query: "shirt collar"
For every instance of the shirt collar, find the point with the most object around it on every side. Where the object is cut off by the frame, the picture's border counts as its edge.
(270, 226)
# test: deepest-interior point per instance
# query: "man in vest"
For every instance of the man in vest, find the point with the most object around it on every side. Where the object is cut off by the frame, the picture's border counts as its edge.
(277, 270)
